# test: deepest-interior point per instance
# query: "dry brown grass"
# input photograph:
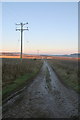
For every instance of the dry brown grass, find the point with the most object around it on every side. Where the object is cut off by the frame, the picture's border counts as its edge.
(68, 72)
(16, 73)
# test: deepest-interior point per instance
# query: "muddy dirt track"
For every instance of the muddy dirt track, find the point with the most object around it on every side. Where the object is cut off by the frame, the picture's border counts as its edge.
(46, 97)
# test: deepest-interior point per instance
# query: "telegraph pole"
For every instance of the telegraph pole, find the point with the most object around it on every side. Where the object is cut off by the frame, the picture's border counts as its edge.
(38, 52)
(21, 30)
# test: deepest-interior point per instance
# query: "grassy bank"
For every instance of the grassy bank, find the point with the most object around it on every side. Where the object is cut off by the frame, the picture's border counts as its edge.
(16, 74)
(67, 71)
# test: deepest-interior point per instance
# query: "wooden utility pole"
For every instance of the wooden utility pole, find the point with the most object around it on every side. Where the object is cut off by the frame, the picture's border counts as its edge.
(21, 30)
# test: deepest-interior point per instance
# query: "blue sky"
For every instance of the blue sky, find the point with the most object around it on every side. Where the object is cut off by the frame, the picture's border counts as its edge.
(53, 27)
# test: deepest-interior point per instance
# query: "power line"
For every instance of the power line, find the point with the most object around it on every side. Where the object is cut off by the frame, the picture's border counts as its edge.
(21, 30)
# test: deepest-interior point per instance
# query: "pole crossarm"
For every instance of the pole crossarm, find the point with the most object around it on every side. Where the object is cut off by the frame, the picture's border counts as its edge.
(21, 30)
(25, 23)
(18, 24)
(18, 29)
(25, 29)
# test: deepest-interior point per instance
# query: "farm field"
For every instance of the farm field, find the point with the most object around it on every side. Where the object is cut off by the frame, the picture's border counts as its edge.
(67, 71)
(16, 73)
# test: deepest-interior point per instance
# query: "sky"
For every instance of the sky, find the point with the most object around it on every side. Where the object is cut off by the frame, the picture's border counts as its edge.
(53, 27)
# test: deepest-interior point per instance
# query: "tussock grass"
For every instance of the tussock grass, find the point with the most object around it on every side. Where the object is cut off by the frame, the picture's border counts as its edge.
(16, 73)
(68, 72)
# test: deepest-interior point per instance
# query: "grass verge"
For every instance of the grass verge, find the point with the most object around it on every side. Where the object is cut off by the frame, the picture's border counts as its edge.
(17, 74)
(67, 71)
(48, 80)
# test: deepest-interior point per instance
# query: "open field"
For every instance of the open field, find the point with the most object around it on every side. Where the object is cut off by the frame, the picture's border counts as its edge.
(67, 71)
(16, 73)
(37, 56)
